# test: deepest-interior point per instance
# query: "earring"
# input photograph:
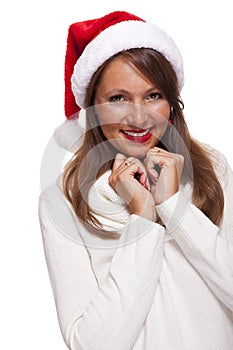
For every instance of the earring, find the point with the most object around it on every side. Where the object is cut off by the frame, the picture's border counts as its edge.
(170, 122)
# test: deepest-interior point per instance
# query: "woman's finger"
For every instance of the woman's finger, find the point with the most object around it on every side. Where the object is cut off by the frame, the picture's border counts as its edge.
(130, 168)
(119, 160)
(130, 181)
(138, 171)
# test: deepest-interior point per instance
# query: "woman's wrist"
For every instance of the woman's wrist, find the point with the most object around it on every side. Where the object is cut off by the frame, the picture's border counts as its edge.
(148, 212)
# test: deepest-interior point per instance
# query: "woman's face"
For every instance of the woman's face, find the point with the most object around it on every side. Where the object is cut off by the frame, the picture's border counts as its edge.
(132, 111)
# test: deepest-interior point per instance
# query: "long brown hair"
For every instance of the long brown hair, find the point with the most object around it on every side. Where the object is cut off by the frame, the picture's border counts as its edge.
(96, 154)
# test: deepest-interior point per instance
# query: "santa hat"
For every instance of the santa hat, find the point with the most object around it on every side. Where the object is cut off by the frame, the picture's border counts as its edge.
(90, 43)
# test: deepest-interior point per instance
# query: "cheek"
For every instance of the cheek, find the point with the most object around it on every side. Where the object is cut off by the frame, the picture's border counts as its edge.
(103, 120)
(104, 115)
(108, 119)
(164, 110)
(106, 129)
(161, 120)
(110, 131)
(161, 115)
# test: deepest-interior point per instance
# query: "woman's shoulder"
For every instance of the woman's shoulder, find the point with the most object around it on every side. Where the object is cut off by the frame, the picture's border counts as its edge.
(216, 156)
(58, 218)
(55, 212)
(220, 163)
(53, 196)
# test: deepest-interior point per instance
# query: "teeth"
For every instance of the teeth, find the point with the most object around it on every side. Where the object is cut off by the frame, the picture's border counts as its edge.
(137, 134)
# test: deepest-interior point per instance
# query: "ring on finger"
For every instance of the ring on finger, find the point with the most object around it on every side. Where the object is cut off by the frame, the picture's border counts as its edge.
(127, 163)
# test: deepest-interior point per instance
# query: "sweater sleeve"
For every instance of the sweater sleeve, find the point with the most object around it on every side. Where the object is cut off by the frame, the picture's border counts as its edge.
(110, 314)
(208, 248)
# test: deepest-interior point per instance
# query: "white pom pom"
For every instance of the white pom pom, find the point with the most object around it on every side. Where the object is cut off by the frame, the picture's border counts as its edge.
(69, 135)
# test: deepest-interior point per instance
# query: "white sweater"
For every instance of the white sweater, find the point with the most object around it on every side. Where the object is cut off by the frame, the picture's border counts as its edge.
(154, 288)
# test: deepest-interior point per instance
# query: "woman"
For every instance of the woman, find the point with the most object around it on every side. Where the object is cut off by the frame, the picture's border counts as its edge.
(138, 232)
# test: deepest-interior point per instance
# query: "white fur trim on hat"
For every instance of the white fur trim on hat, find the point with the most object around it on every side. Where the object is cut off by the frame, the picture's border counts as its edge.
(116, 38)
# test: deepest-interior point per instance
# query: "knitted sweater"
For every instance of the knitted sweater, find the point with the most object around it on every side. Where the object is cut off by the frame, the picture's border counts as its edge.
(156, 287)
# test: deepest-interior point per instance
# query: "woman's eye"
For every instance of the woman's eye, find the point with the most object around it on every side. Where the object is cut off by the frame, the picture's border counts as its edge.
(117, 98)
(154, 96)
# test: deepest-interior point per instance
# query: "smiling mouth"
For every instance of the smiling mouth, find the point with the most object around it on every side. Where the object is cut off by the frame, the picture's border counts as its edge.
(137, 135)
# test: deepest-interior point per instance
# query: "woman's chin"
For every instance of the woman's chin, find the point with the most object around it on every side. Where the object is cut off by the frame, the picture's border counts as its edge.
(134, 149)
(136, 152)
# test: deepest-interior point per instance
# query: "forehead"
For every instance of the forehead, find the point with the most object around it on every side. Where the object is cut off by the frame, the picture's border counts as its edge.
(121, 71)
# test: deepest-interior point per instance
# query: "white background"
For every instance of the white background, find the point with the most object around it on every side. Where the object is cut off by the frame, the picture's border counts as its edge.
(33, 42)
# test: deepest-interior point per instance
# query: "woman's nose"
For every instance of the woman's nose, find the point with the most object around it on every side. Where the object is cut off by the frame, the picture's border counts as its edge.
(136, 114)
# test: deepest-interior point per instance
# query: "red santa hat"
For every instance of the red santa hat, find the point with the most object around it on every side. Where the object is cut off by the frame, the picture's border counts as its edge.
(90, 43)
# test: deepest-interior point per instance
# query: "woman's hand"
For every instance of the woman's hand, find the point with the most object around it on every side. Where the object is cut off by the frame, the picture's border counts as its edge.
(164, 170)
(130, 180)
